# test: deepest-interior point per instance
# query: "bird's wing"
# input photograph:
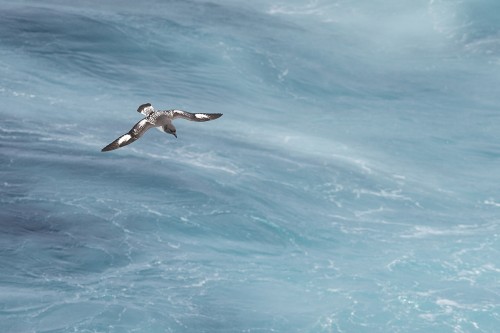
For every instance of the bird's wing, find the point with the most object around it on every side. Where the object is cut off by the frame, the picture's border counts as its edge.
(135, 133)
(146, 109)
(123, 140)
(195, 116)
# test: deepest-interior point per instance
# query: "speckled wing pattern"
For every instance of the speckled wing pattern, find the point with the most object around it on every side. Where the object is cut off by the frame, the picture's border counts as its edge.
(135, 133)
(194, 116)
(161, 119)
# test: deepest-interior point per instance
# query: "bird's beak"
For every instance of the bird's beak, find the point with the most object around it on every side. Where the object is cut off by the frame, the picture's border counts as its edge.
(175, 135)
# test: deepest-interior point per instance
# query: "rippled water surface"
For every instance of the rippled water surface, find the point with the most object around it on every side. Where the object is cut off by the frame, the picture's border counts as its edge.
(351, 185)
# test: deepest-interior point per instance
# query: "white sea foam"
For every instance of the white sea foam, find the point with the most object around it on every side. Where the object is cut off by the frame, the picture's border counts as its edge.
(426, 231)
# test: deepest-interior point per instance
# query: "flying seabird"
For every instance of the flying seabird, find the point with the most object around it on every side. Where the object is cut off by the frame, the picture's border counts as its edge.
(160, 119)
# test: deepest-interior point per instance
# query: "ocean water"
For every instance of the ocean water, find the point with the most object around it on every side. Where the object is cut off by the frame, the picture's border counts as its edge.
(352, 184)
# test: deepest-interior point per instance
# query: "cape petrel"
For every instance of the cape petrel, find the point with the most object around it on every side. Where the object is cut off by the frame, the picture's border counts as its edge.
(160, 119)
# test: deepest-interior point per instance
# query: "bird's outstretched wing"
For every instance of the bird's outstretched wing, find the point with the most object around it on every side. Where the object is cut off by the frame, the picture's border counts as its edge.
(135, 133)
(195, 116)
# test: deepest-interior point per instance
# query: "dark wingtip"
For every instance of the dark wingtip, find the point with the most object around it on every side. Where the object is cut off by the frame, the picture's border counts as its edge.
(109, 147)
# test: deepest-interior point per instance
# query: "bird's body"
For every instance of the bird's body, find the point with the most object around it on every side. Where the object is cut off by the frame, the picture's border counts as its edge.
(160, 119)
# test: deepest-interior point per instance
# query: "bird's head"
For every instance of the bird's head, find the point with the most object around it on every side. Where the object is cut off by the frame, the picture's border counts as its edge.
(171, 131)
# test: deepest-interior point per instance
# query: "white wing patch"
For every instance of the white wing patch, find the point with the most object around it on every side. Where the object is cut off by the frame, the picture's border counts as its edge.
(124, 138)
(142, 123)
(201, 116)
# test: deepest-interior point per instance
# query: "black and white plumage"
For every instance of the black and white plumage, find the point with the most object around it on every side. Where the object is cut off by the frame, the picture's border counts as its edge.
(160, 119)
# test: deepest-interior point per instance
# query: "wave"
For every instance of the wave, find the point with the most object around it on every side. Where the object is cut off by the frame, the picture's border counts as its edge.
(348, 186)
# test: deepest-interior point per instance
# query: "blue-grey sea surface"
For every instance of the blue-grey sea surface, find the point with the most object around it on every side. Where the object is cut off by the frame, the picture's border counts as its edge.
(352, 184)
